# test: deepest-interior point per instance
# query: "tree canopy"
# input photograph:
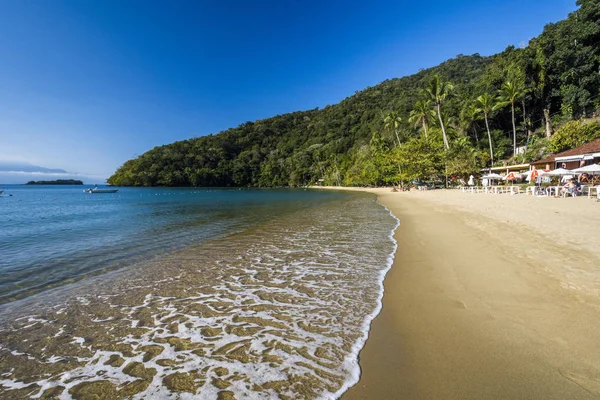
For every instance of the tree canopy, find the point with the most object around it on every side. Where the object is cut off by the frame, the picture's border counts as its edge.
(422, 126)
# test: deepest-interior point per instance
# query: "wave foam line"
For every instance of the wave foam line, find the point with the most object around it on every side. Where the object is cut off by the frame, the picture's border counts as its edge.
(352, 360)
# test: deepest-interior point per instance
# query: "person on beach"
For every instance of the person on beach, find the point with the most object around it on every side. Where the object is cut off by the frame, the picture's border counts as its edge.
(570, 187)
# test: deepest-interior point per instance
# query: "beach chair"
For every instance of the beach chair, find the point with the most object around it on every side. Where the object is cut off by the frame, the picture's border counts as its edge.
(529, 189)
(571, 192)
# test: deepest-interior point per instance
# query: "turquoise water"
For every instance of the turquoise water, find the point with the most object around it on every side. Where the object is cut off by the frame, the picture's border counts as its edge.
(256, 294)
(54, 235)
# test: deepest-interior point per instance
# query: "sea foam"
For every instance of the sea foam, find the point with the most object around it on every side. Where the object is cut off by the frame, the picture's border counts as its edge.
(279, 311)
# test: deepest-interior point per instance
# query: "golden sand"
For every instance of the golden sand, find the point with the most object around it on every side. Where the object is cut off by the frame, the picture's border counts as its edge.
(490, 297)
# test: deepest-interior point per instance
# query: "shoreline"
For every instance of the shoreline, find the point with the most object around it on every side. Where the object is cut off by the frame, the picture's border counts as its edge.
(485, 300)
(165, 321)
(480, 299)
(359, 345)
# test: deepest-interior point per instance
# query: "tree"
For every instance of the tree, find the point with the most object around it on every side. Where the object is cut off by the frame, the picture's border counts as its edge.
(574, 134)
(542, 86)
(438, 90)
(422, 113)
(469, 116)
(560, 66)
(510, 92)
(463, 159)
(420, 159)
(373, 164)
(486, 104)
(392, 123)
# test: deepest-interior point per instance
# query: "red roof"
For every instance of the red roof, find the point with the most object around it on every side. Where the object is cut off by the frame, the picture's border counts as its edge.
(591, 147)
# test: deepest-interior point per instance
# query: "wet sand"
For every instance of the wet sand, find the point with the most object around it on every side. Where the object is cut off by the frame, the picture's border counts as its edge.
(490, 297)
(279, 310)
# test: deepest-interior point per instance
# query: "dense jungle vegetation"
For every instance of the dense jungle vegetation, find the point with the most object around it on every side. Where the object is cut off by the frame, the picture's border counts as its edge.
(453, 119)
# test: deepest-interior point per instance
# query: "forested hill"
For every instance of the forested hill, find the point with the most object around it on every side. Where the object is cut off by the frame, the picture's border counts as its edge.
(289, 149)
(372, 136)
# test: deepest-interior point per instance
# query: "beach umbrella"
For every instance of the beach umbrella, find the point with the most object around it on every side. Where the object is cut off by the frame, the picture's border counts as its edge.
(471, 181)
(593, 169)
(512, 177)
(588, 169)
(492, 176)
(558, 172)
(532, 175)
(565, 173)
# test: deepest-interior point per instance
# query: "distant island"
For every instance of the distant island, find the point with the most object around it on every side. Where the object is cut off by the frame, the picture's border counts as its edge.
(56, 182)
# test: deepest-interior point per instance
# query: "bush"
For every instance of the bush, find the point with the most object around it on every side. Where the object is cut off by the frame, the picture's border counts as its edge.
(573, 134)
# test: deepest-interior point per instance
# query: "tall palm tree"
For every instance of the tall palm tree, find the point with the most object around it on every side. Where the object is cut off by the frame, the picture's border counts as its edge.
(452, 125)
(392, 122)
(542, 89)
(437, 91)
(486, 104)
(510, 92)
(469, 116)
(422, 113)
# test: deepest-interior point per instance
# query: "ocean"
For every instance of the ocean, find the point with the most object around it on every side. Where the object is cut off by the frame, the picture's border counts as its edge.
(187, 293)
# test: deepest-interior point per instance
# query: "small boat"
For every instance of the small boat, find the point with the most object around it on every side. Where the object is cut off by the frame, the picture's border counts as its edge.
(96, 190)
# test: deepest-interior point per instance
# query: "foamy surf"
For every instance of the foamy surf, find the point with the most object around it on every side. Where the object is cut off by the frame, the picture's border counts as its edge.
(360, 344)
(281, 311)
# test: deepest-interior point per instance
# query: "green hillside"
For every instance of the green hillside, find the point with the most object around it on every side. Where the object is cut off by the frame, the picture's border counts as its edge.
(370, 137)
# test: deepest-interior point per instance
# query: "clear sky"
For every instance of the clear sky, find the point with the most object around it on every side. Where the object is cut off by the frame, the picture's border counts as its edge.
(85, 85)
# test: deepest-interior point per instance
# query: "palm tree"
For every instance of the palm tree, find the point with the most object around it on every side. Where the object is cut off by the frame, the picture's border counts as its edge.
(392, 122)
(486, 104)
(437, 91)
(469, 116)
(542, 89)
(422, 113)
(510, 92)
(452, 125)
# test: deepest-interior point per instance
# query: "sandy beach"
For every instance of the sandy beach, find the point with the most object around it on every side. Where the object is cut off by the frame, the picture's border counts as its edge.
(490, 297)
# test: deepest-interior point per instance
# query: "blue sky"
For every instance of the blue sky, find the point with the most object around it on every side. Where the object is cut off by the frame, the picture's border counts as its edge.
(86, 85)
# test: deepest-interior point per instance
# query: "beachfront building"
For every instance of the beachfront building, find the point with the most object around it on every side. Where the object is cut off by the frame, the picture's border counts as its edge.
(580, 156)
(506, 169)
